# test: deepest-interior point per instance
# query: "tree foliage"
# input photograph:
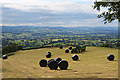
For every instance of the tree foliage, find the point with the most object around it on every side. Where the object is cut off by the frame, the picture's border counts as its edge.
(113, 12)
(11, 48)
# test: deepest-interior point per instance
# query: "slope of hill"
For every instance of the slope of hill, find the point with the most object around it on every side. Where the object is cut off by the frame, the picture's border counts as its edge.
(91, 64)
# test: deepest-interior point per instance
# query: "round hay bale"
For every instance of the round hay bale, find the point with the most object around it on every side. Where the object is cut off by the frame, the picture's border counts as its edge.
(53, 65)
(43, 63)
(63, 65)
(4, 56)
(75, 57)
(58, 59)
(80, 50)
(110, 57)
(72, 51)
(66, 50)
(70, 48)
(48, 55)
(61, 47)
(84, 48)
(51, 60)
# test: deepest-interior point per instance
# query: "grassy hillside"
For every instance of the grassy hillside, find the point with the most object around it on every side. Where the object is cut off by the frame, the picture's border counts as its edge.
(92, 63)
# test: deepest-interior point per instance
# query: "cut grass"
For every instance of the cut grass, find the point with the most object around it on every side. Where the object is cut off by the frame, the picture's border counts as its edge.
(92, 64)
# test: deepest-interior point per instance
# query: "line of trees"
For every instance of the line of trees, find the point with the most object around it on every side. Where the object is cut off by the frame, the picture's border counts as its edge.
(116, 45)
(11, 48)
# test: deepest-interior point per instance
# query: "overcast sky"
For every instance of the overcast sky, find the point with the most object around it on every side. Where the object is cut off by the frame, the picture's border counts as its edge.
(53, 13)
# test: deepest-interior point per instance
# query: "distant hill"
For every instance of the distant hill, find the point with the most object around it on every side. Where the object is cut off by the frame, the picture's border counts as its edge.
(69, 30)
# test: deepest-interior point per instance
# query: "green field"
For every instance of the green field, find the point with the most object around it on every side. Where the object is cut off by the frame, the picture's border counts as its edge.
(91, 64)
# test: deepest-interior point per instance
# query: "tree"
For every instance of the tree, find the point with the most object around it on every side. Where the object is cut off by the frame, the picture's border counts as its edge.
(113, 12)
(11, 48)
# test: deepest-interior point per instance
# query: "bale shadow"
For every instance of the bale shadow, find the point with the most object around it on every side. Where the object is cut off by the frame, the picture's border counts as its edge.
(63, 70)
(115, 60)
(84, 52)
(76, 60)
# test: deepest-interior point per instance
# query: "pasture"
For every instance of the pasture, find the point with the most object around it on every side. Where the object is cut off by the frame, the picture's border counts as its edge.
(92, 63)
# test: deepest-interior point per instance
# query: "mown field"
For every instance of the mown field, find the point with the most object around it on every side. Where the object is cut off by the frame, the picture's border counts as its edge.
(91, 64)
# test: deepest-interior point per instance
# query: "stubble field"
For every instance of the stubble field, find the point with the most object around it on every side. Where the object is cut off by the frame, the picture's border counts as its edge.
(92, 63)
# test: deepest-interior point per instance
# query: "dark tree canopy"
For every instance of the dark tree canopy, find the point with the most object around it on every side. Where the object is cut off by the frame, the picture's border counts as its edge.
(113, 12)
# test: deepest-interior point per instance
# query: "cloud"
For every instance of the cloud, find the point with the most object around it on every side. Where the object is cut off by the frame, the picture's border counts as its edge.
(54, 7)
(53, 13)
(17, 16)
(85, 22)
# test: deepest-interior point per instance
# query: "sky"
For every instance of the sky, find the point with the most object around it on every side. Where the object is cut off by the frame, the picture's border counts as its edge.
(51, 13)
